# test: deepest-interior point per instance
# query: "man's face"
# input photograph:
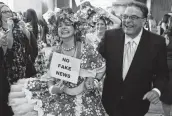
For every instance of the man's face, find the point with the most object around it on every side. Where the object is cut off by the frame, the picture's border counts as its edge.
(132, 21)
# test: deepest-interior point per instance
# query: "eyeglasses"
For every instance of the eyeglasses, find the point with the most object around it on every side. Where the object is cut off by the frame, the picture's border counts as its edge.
(132, 17)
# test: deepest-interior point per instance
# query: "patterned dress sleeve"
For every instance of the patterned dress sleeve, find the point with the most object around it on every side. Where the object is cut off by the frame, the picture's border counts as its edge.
(16, 58)
(91, 59)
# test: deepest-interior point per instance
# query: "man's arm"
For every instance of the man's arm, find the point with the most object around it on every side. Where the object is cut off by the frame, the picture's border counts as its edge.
(162, 72)
(101, 46)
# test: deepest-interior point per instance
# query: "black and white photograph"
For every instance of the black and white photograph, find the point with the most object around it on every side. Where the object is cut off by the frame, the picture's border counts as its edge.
(85, 57)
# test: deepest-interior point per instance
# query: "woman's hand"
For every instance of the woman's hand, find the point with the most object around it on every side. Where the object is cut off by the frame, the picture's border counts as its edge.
(10, 23)
(3, 39)
(9, 33)
(10, 39)
(22, 24)
(29, 27)
(89, 83)
(58, 88)
(23, 27)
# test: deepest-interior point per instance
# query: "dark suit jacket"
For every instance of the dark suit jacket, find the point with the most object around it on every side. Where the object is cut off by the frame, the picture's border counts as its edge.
(149, 65)
(5, 110)
(167, 95)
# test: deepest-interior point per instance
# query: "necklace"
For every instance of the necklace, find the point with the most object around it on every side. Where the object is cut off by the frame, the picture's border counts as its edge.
(73, 53)
(68, 49)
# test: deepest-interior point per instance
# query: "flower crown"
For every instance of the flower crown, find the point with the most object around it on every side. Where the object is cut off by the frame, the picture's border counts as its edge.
(67, 13)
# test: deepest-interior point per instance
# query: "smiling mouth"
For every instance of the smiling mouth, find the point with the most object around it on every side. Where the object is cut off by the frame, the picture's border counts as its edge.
(65, 32)
(129, 26)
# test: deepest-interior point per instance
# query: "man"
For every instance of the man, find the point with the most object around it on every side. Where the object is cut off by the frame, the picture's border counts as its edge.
(135, 58)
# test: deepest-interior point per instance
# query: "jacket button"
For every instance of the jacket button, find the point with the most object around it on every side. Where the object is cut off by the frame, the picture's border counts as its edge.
(122, 97)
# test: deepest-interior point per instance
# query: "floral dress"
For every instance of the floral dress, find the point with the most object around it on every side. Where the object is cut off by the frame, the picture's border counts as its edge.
(16, 58)
(87, 103)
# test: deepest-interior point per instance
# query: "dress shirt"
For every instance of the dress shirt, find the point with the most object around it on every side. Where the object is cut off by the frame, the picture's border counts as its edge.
(136, 42)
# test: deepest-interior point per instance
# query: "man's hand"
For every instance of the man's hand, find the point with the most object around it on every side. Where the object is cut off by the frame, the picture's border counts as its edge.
(152, 96)
(89, 83)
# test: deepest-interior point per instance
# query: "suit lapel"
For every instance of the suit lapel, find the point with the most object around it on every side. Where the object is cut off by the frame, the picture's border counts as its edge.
(120, 48)
(141, 53)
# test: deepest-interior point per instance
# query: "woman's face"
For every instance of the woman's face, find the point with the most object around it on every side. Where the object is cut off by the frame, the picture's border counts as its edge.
(100, 26)
(6, 14)
(65, 29)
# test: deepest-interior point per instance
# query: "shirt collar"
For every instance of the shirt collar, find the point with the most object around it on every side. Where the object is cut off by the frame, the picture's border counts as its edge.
(136, 39)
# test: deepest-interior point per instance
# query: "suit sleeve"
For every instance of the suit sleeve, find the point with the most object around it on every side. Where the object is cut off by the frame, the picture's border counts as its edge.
(162, 72)
(101, 46)
(1, 55)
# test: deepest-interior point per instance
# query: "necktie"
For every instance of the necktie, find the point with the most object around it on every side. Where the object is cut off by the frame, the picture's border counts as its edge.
(129, 51)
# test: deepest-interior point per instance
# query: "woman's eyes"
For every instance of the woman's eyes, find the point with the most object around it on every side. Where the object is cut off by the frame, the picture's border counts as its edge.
(98, 24)
(66, 24)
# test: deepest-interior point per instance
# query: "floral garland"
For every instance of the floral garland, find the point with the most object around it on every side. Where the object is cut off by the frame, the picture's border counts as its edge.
(67, 14)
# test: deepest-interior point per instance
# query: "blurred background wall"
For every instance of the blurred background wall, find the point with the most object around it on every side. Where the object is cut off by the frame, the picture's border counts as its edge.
(157, 7)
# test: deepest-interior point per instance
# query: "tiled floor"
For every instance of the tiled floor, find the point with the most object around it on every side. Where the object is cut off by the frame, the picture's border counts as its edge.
(156, 110)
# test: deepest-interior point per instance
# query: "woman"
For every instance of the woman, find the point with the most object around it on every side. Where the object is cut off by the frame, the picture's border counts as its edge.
(32, 21)
(164, 23)
(13, 64)
(167, 95)
(101, 21)
(5, 87)
(32, 26)
(17, 52)
(17, 55)
(61, 98)
(100, 28)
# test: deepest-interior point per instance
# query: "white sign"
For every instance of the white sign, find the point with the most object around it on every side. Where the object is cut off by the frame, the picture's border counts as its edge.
(65, 67)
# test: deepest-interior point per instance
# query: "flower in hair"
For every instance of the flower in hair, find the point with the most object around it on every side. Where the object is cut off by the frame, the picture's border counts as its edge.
(67, 14)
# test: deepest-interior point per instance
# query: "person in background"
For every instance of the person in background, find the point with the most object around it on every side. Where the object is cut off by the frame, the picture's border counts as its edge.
(52, 38)
(14, 14)
(100, 26)
(167, 94)
(32, 21)
(17, 52)
(43, 31)
(32, 25)
(164, 23)
(20, 15)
